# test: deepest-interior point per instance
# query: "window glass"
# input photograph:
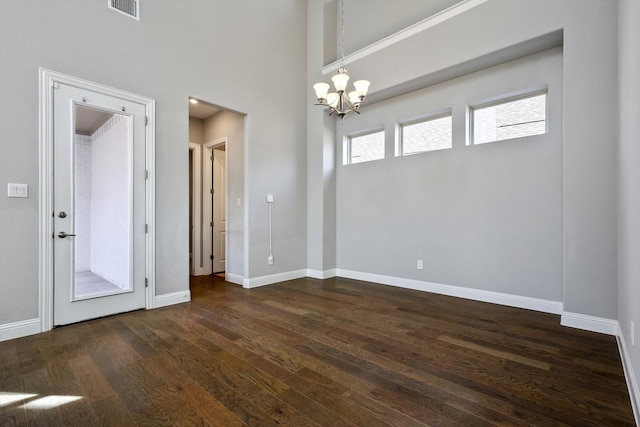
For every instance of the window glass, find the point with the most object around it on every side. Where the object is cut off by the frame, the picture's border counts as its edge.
(509, 119)
(364, 148)
(431, 134)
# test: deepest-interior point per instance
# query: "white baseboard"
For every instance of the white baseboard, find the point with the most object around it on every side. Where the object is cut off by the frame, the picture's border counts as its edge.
(234, 278)
(632, 382)
(318, 274)
(589, 323)
(20, 329)
(172, 298)
(273, 278)
(536, 304)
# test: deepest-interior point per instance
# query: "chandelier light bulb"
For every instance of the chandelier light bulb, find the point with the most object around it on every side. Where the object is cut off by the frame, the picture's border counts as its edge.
(353, 97)
(321, 91)
(362, 86)
(340, 80)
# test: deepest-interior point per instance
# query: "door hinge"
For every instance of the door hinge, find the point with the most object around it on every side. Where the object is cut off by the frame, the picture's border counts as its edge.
(146, 174)
(55, 85)
(146, 228)
(146, 120)
(211, 257)
(146, 282)
(211, 224)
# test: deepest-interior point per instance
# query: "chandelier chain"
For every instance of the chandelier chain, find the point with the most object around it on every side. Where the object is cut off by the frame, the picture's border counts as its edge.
(342, 33)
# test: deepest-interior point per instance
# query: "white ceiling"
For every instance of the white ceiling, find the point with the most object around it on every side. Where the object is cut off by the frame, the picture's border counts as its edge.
(202, 110)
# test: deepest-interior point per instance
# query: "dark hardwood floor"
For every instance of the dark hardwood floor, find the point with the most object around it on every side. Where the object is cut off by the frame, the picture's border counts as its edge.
(320, 353)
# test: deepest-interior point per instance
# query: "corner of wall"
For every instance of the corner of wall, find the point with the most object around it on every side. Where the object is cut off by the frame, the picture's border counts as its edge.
(20, 329)
(172, 298)
(630, 376)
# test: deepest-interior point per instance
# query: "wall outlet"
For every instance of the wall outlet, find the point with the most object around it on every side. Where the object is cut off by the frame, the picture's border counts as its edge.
(270, 260)
(420, 265)
(633, 334)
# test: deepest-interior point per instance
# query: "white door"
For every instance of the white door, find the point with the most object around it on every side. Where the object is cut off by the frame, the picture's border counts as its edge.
(219, 209)
(98, 205)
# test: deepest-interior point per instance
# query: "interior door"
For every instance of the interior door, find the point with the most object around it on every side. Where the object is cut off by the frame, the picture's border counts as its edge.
(99, 205)
(219, 210)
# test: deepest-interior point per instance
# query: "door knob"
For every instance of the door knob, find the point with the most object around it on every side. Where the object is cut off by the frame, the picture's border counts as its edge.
(62, 235)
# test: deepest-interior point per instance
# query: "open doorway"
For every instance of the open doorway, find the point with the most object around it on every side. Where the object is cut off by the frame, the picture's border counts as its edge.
(217, 205)
(195, 214)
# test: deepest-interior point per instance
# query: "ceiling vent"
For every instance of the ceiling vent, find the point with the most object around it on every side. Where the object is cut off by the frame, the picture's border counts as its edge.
(131, 8)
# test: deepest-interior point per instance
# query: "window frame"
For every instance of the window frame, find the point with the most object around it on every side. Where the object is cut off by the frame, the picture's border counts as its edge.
(505, 99)
(422, 119)
(346, 154)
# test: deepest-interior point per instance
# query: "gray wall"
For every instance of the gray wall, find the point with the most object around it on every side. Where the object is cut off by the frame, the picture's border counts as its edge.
(178, 49)
(629, 160)
(231, 125)
(367, 21)
(589, 155)
(196, 129)
(486, 216)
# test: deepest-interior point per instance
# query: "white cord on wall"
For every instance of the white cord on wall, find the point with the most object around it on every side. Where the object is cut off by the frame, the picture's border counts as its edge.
(270, 202)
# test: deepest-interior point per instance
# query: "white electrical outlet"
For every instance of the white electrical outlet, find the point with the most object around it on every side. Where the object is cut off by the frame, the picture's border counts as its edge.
(633, 334)
(270, 260)
(420, 265)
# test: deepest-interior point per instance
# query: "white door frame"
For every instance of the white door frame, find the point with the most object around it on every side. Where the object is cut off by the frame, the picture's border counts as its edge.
(207, 199)
(48, 82)
(195, 150)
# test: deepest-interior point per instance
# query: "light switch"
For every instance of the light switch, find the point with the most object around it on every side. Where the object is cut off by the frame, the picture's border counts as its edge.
(17, 190)
(269, 198)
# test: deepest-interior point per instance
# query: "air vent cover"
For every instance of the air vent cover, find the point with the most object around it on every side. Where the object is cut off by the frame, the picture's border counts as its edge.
(131, 8)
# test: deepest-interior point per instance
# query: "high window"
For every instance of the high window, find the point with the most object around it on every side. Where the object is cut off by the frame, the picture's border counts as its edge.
(509, 118)
(365, 147)
(418, 136)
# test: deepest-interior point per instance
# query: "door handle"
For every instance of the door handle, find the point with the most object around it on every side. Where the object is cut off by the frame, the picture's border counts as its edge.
(62, 235)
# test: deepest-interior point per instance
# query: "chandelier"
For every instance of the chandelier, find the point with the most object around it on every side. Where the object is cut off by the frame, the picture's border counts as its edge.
(340, 102)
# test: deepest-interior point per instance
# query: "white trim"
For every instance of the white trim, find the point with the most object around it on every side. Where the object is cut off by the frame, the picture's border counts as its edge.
(537, 304)
(273, 278)
(589, 323)
(48, 79)
(245, 198)
(20, 329)
(196, 209)
(172, 298)
(207, 196)
(234, 278)
(318, 274)
(151, 203)
(632, 382)
(405, 33)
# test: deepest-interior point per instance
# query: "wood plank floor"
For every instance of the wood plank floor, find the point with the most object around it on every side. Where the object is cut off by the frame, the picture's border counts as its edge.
(308, 352)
